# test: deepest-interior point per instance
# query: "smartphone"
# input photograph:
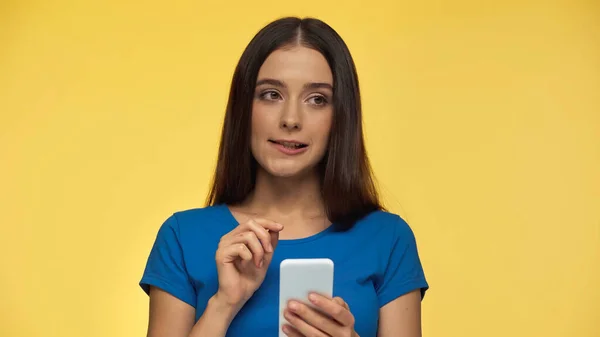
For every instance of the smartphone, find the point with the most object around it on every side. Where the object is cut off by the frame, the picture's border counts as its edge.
(298, 278)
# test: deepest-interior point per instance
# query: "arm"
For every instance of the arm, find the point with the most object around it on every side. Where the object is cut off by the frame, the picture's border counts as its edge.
(173, 296)
(401, 317)
(172, 317)
(402, 287)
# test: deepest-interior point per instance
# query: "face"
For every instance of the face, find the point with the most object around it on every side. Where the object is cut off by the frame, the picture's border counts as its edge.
(292, 111)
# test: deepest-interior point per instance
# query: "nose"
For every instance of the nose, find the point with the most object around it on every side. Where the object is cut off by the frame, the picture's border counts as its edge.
(290, 117)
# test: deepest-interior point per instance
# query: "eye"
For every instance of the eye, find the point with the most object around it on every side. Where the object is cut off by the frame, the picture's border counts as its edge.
(270, 95)
(318, 100)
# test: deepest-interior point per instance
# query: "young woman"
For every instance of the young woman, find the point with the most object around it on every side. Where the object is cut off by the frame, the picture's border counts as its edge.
(292, 181)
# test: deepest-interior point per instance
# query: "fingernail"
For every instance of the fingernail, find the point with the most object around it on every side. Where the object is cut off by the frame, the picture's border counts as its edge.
(312, 297)
(285, 329)
(293, 305)
(280, 226)
(260, 264)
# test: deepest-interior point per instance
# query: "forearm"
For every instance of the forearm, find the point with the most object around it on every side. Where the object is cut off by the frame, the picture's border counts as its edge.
(215, 320)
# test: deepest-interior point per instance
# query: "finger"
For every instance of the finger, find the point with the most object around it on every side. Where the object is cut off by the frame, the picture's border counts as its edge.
(341, 302)
(272, 226)
(290, 331)
(274, 237)
(234, 251)
(301, 325)
(262, 234)
(261, 227)
(252, 242)
(264, 223)
(336, 308)
(315, 318)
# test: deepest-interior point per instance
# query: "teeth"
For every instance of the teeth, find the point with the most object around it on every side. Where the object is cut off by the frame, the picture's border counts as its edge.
(291, 145)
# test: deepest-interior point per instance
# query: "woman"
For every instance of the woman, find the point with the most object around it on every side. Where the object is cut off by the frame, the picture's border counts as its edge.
(292, 181)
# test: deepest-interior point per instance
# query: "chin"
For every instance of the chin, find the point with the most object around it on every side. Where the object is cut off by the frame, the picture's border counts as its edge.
(287, 171)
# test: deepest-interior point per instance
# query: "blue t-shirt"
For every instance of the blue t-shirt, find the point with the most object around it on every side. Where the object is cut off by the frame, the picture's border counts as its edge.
(375, 262)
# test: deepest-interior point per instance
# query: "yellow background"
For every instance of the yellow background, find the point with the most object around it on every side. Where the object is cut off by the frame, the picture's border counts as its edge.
(482, 121)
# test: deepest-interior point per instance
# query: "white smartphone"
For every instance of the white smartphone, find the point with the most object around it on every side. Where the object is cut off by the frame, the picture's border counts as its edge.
(298, 278)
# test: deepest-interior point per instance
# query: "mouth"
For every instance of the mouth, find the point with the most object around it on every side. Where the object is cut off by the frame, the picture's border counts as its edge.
(292, 145)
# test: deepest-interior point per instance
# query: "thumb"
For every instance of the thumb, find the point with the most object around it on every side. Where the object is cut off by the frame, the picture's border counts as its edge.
(340, 301)
(274, 240)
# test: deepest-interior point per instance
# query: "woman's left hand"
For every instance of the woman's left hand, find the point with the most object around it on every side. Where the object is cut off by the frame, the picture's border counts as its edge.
(335, 321)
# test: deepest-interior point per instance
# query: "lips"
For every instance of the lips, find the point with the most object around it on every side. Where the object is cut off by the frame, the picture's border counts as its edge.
(289, 144)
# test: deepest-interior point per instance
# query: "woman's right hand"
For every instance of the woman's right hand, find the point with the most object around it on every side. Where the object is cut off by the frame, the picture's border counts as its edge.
(242, 258)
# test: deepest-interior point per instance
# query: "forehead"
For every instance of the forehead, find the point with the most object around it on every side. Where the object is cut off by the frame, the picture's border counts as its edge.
(297, 64)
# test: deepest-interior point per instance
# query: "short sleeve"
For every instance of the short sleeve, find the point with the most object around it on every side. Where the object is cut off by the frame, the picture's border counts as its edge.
(165, 268)
(403, 272)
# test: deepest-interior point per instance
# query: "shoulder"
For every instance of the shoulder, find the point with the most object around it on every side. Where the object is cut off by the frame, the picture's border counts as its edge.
(205, 221)
(199, 216)
(386, 228)
(385, 223)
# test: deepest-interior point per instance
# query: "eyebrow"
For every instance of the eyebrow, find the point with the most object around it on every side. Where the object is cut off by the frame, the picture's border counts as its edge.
(278, 83)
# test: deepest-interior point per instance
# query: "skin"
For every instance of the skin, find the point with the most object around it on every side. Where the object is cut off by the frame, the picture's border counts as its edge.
(293, 100)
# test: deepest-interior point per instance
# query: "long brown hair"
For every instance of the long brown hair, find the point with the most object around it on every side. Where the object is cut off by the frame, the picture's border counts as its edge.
(347, 182)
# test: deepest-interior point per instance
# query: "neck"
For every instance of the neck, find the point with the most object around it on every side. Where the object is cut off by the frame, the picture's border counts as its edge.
(289, 197)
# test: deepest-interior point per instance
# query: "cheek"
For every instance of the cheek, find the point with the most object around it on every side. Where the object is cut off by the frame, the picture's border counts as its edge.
(323, 128)
(259, 121)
